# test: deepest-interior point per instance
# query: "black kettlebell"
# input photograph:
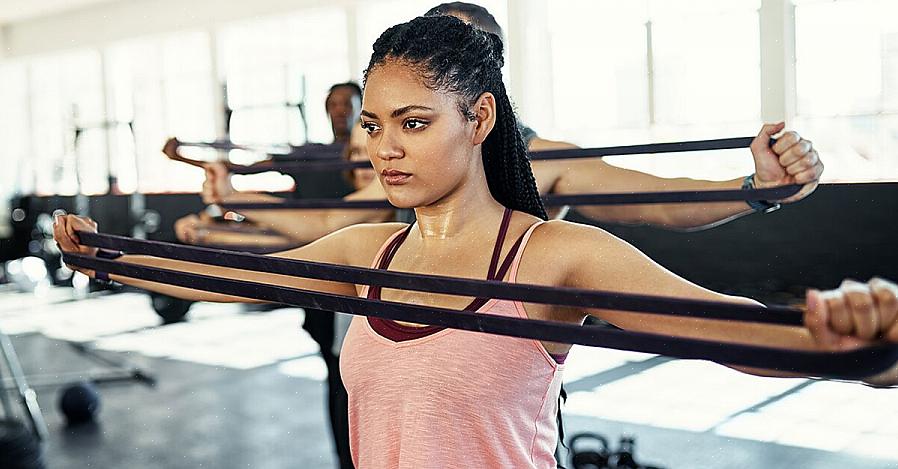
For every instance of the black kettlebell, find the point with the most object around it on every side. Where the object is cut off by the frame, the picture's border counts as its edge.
(625, 456)
(80, 403)
(582, 458)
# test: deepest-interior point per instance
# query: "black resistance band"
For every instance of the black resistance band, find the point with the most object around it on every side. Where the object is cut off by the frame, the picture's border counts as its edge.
(854, 364)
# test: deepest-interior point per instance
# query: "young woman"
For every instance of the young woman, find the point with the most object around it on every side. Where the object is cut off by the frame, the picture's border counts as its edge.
(443, 140)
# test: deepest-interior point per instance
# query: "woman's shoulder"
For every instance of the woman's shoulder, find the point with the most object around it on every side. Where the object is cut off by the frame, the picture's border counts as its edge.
(373, 230)
(562, 233)
(364, 240)
(566, 244)
(354, 245)
(370, 233)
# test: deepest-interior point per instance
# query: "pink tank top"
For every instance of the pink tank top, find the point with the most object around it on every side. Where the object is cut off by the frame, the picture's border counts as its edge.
(449, 398)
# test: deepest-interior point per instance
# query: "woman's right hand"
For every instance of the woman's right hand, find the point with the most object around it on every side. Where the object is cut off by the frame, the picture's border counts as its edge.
(854, 315)
(65, 229)
(217, 185)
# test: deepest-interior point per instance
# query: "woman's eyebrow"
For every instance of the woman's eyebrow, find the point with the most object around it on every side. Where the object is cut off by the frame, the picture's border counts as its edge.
(408, 109)
(398, 112)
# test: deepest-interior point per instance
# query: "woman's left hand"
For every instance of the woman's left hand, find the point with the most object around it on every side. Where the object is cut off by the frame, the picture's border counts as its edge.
(854, 314)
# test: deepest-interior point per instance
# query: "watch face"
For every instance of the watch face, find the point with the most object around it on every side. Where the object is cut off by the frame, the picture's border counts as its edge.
(763, 205)
(758, 205)
(773, 208)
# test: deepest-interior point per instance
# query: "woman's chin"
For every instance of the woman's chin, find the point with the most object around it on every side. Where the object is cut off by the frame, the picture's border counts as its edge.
(400, 197)
(403, 202)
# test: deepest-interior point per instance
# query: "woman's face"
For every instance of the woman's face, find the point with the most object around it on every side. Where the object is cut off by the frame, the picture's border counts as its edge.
(419, 143)
(358, 151)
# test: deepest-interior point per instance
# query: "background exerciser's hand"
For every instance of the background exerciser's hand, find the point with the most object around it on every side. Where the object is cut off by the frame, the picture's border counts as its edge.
(191, 229)
(791, 160)
(65, 229)
(217, 185)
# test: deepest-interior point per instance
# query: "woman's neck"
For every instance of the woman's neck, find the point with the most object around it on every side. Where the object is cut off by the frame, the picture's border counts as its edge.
(462, 213)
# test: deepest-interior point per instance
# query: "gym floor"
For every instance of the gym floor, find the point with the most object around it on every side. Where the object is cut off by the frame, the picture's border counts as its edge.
(244, 389)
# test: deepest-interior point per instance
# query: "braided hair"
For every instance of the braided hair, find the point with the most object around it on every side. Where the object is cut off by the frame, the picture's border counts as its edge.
(454, 57)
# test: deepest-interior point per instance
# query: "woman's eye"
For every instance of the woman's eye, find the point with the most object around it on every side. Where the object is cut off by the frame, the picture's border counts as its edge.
(369, 127)
(415, 124)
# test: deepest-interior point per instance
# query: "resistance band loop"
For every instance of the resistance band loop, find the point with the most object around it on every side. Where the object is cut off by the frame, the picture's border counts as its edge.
(853, 364)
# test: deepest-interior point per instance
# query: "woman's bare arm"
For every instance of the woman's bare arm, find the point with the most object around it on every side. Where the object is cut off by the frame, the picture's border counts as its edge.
(598, 260)
(355, 245)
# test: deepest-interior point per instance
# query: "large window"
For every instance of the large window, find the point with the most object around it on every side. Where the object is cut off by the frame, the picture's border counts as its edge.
(656, 70)
(847, 85)
(14, 129)
(16, 176)
(706, 58)
(164, 86)
(599, 70)
(278, 72)
(273, 64)
(66, 93)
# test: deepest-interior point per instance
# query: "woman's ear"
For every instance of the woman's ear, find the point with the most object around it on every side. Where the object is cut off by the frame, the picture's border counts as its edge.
(484, 116)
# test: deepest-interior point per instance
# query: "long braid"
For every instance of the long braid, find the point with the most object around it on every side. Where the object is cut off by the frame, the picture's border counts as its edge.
(507, 164)
(457, 58)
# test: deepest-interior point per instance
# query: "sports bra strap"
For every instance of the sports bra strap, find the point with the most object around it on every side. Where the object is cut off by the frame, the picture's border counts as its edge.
(497, 248)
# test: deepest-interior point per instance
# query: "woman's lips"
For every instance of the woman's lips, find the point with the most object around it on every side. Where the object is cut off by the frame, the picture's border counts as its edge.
(395, 177)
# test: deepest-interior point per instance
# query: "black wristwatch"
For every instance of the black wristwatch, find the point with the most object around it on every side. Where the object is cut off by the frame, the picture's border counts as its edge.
(763, 206)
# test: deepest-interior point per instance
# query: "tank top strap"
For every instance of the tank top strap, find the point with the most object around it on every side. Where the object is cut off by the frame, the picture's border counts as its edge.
(385, 256)
(517, 253)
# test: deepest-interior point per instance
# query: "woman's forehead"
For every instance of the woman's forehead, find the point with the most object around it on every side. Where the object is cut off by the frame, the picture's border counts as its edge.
(393, 85)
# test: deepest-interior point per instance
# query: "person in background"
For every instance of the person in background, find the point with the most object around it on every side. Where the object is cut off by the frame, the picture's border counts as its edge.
(342, 105)
(343, 102)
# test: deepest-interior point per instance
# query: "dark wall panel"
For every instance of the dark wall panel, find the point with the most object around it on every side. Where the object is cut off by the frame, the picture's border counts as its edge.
(842, 230)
